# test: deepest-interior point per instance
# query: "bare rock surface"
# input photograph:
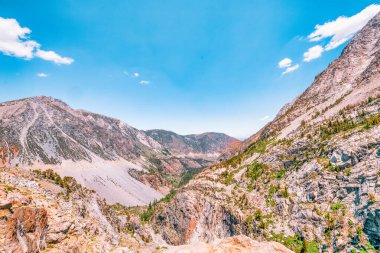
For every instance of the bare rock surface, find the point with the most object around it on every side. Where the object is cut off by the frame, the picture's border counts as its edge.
(234, 244)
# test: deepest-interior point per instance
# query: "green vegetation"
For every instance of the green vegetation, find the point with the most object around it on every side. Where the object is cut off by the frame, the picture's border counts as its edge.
(258, 147)
(272, 190)
(147, 215)
(332, 167)
(333, 127)
(369, 247)
(168, 197)
(371, 198)
(284, 192)
(227, 178)
(280, 174)
(297, 243)
(259, 220)
(334, 219)
(256, 170)
(68, 183)
(188, 175)
(258, 215)
(365, 249)
(312, 247)
(9, 188)
(176, 180)
(336, 207)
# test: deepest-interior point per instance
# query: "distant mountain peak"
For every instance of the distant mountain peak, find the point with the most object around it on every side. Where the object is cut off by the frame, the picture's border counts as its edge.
(45, 132)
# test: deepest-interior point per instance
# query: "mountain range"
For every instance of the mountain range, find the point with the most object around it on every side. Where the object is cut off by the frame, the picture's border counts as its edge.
(123, 164)
(309, 181)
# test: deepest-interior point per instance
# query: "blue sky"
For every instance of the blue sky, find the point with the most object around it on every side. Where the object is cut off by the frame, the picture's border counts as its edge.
(187, 66)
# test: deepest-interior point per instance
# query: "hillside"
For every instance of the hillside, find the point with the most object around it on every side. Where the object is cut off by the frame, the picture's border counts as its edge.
(42, 212)
(123, 164)
(309, 179)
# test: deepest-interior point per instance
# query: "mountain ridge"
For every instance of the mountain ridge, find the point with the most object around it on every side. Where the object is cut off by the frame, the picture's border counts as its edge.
(44, 132)
(308, 179)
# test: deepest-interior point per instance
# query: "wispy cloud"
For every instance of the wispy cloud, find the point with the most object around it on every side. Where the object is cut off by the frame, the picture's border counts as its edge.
(15, 41)
(137, 76)
(53, 56)
(144, 82)
(313, 53)
(42, 74)
(343, 28)
(291, 69)
(287, 63)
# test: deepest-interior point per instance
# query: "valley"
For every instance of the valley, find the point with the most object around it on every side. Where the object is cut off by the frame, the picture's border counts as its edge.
(307, 182)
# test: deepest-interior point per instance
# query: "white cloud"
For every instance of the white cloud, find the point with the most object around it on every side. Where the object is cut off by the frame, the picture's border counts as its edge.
(53, 56)
(136, 74)
(285, 63)
(291, 69)
(42, 75)
(144, 82)
(343, 28)
(313, 53)
(15, 41)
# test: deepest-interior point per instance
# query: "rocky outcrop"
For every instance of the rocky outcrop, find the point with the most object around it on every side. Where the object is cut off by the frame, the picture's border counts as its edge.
(22, 228)
(191, 216)
(53, 215)
(372, 227)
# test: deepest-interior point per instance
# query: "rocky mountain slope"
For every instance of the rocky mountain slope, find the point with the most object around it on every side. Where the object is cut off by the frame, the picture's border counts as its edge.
(122, 163)
(42, 212)
(310, 179)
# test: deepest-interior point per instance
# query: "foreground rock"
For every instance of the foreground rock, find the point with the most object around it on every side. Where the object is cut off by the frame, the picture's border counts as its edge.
(46, 213)
(236, 244)
(24, 230)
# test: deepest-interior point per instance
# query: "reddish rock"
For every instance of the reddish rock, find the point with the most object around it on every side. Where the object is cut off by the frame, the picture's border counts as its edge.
(24, 230)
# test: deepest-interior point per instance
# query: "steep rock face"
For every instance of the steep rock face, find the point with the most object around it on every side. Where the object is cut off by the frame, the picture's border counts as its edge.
(43, 132)
(310, 178)
(191, 216)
